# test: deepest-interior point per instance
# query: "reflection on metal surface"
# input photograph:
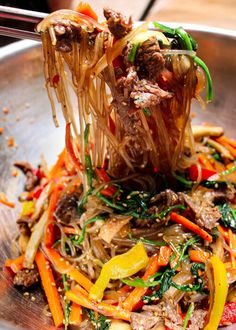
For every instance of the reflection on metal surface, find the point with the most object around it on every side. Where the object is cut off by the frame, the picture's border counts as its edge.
(29, 123)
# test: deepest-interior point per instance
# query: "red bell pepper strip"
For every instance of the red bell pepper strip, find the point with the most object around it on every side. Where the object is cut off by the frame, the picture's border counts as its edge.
(229, 314)
(205, 173)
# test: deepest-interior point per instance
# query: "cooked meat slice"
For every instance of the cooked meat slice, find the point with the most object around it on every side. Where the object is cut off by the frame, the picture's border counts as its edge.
(26, 277)
(117, 23)
(66, 210)
(147, 94)
(197, 319)
(167, 197)
(145, 321)
(31, 179)
(149, 57)
(167, 310)
(201, 204)
(66, 31)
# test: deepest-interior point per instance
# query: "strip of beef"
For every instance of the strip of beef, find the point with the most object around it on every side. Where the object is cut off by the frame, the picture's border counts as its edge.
(167, 311)
(26, 278)
(148, 57)
(66, 210)
(197, 319)
(201, 204)
(117, 23)
(145, 321)
(66, 31)
(31, 179)
(147, 94)
(163, 200)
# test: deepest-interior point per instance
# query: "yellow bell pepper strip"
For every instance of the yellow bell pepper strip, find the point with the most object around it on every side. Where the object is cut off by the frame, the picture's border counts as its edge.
(103, 308)
(28, 208)
(118, 267)
(220, 293)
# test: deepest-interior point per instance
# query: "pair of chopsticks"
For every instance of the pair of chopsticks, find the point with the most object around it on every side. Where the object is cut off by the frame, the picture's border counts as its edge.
(9, 15)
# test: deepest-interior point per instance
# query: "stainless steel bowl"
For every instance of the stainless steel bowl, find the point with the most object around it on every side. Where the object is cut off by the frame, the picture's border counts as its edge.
(29, 123)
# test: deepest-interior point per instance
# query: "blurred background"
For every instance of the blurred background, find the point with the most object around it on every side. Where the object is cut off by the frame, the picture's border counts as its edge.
(217, 13)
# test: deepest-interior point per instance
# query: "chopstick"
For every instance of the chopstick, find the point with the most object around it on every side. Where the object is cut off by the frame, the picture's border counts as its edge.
(12, 15)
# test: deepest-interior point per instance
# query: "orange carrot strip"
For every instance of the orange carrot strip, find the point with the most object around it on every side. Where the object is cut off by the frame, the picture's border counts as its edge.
(64, 266)
(191, 226)
(232, 244)
(85, 8)
(75, 314)
(198, 256)
(70, 148)
(135, 296)
(164, 255)
(225, 139)
(15, 264)
(205, 162)
(59, 164)
(49, 236)
(50, 288)
(229, 147)
(7, 203)
(102, 308)
(224, 232)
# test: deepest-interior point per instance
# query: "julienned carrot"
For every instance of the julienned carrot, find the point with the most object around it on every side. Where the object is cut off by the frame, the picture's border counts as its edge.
(59, 164)
(135, 296)
(15, 264)
(164, 255)
(85, 8)
(7, 203)
(224, 142)
(232, 245)
(49, 233)
(70, 148)
(75, 314)
(191, 226)
(203, 160)
(225, 139)
(199, 256)
(50, 288)
(102, 308)
(224, 232)
(64, 266)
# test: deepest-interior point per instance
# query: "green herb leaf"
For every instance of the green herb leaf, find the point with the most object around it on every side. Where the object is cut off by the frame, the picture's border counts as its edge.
(228, 216)
(133, 51)
(147, 112)
(100, 323)
(188, 315)
(82, 235)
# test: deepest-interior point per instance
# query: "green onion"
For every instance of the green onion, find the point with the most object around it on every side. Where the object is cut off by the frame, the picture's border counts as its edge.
(140, 283)
(188, 315)
(67, 302)
(169, 209)
(184, 36)
(181, 179)
(228, 171)
(200, 63)
(133, 51)
(82, 235)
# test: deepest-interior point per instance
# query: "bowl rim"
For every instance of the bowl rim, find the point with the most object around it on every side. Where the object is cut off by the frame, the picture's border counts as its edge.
(22, 45)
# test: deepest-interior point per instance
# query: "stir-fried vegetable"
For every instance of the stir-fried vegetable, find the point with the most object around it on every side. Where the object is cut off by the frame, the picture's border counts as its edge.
(119, 267)
(220, 293)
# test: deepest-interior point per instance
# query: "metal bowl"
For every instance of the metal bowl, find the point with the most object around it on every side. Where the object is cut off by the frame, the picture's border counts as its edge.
(29, 123)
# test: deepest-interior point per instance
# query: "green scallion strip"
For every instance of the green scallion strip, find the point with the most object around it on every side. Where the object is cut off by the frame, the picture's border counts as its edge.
(228, 171)
(184, 36)
(133, 51)
(110, 203)
(82, 235)
(147, 112)
(181, 179)
(188, 315)
(67, 302)
(169, 209)
(200, 63)
(164, 28)
(147, 241)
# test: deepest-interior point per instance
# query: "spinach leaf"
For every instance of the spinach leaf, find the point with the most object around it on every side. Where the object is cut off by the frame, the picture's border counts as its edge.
(228, 216)
(100, 322)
